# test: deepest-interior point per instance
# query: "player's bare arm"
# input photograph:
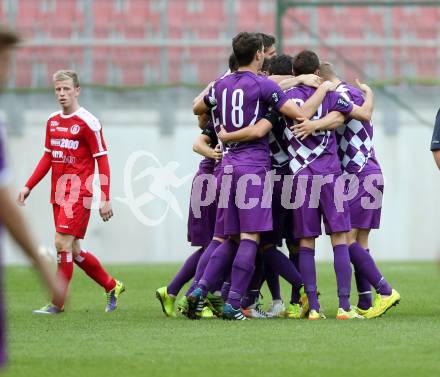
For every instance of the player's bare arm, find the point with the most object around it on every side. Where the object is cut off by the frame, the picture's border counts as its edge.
(436, 155)
(291, 81)
(202, 147)
(203, 120)
(292, 110)
(331, 121)
(364, 112)
(312, 104)
(257, 131)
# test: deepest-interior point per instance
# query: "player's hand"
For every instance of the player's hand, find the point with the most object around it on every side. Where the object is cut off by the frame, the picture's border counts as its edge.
(22, 196)
(223, 134)
(364, 87)
(329, 86)
(303, 129)
(311, 80)
(106, 211)
(217, 153)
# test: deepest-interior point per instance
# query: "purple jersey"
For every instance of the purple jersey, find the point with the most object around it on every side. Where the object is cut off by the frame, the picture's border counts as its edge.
(243, 98)
(355, 146)
(317, 153)
(209, 163)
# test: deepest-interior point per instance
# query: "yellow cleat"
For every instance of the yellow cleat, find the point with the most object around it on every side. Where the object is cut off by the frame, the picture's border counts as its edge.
(363, 312)
(351, 314)
(304, 301)
(383, 303)
(314, 315)
(207, 313)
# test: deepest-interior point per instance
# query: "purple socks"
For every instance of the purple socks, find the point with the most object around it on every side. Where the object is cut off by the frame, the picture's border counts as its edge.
(185, 273)
(218, 266)
(242, 270)
(308, 273)
(280, 264)
(364, 263)
(203, 261)
(342, 265)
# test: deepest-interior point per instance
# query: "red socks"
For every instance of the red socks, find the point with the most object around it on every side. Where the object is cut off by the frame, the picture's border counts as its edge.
(64, 272)
(91, 266)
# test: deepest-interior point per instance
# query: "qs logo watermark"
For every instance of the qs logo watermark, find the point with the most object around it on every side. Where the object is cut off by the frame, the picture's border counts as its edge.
(159, 181)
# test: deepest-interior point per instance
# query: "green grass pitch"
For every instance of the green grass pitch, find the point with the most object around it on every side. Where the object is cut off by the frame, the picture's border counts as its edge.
(138, 340)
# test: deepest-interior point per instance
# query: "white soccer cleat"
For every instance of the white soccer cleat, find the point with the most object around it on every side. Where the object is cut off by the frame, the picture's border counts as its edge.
(276, 309)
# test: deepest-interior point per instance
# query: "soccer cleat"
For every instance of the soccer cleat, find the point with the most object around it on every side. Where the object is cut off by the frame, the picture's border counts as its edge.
(314, 315)
(48, 309)
(215, 303)
(304, 303)
(232, 314)
(113, 296)
(196, 303)
(382, 303)
(351, 314)
(363, 312)
(166, 301)
(294, 311)
(276, 309)
(182, 305)
(255, 311)
(207, 313)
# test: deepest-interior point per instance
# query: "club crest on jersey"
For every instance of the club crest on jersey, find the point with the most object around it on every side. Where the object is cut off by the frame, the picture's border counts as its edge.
(74, 129)
(275, 97)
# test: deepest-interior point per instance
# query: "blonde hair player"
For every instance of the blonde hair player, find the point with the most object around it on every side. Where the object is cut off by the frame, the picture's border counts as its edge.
(74, 141)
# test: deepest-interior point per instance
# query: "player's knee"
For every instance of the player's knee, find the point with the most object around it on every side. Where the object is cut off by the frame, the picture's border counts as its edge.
(307, 242)
(339, 238)
(63, 243)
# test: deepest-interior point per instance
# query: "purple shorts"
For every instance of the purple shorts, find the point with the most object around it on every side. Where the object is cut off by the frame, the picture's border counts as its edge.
(323, 203)
(248, 206)
(201, 226)
(366, 206)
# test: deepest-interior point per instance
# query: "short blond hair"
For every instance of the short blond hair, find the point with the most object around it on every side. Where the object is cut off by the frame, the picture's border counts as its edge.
(327, 71)
(66, 74)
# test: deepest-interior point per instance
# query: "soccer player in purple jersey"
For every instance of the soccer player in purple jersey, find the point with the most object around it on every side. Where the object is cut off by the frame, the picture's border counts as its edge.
(316, 159)
(275, 262)
(358, 159)
(10, 216)
(200, 226)
(240, 100)
(207, 146)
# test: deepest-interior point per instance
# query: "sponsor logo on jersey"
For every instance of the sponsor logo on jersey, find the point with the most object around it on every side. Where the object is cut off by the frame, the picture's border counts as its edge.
(275, 97)
(65, 143)
(57, 154)
(54, 123)
(62, 129)
(74, 129)
(69, 159)
(342, 102)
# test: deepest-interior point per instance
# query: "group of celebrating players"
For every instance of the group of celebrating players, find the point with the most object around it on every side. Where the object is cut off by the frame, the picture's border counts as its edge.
(293, 120)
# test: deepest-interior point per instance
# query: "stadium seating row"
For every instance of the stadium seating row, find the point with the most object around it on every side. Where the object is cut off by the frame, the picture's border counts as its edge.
(355, 32)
